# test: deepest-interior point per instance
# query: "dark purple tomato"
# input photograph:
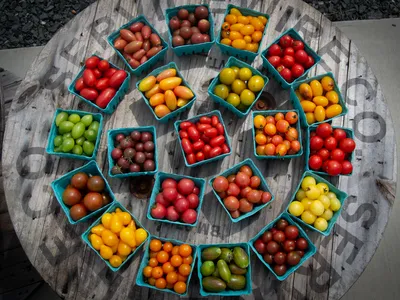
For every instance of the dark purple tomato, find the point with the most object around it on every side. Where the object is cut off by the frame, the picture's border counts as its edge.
(280, 258)
(119, 137)
(279, 236)
(185, 23)
(174, 23)
(78, 211)
(129, 153)
(178, 41)
(123, 163)
(71, 196)
(272, 247)
(140, 157)
(116, 153)
(195, 29)
(149, 165)
(106, 198)
(266, 237)
(201, 12)
(186, 32)
(280, 269)
(139, 147)
(291, 232)
(289, 246)
(176, 32)
(260, 246)
(96, 184)
(293, 258)
(192, 19)
(146, 136)
(148, 146)
(116, 170)
(204, 26)
(136, 135)
(183, 14)
(93, 201)
(301, 244)
(126, 143)
(300, 252)
(79, 180)
(149, 155)
(197, 38)
(281, 224)
(269, 258)
(133, 168)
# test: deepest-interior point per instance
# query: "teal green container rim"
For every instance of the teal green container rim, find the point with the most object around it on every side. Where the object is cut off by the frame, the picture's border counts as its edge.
(264, 186)
(195, 119)
(296, 101)
(161, 176)
(247, 291)
(111, 133)
(232, 61)
(153, 60)
(190, 49)
(310, 252)
(270, 113)
(53, 133)
(244, 54)
(286, 85)
(145, 259)
(172, 114)
(349, 133)
(85, 235)
(60, 184)
(342, 196)
(119, 95)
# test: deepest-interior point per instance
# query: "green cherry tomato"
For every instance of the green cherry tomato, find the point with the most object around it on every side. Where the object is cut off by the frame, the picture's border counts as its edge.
(90, 135)
(95, 126)
(57, 149)
(78, 130)
(58, 140)
(62, 116)
(74, 118)
(77, 150)
(87, 120)
(88, 148)
(65, 127)
(67, 135)
(68, 144)
(80, 141)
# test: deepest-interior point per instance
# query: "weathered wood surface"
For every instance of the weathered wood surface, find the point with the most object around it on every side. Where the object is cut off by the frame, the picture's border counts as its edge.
(75, 272)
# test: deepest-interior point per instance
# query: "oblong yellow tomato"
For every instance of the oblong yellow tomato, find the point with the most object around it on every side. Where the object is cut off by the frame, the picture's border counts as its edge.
(332, 97)
(239, 44)
(161, 110)
(333, 110)
(236, 27)
(316, 88)
(115, 261)
(166, 74)
(147, 83)
(327, 83)
(170, 100)
(234, 11)
(235, 35)
(170, 83)
(297, 92)
(308, 106)
(125, 218)
(157, 99)
(226, 41)
(310, 118)
(132, 225)
(183, 92)
(306, 91)
(320, 100)
(319, 113)
(182, 102)
(243, 20)
(154, 90)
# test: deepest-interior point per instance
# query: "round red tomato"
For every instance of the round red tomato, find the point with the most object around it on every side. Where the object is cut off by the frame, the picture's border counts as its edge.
(275, 50)
(297, 70)
(301, 56)
(316, 143)
(337, 154)
(315, 162)
(286, 41)
(275, 61)
(324, 130)
(298, 45)
(286, 74)
(339, 134)
(288, 51)
(324, 154)
(347, 167)
(288, 61)
(334, 168)
(347, 145)
(330, 143)
(185, 186)
(310, 62)
(220, 184)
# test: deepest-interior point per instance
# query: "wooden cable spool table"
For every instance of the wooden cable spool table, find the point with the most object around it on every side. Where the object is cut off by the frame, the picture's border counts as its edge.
(74, 271)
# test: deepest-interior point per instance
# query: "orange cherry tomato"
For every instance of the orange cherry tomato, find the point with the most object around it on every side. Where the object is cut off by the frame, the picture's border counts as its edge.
(176, 260)
(184, 269)
(269, 149)
(155, 245)
(270, 129)
(270, 120)
(182, 278)
(180, 287)
(167, 247)
(172, 277)
(282, 126)
(185, 250)
(161, 283)
(153, 262)
(162, 257)
(157, 272)
(168, 267)
(277, 139)
(287, 144)
(153, 254)
(152, 281)
(292, 134)
(281, 150)
(291, 117)
(147, 271)
(175, 250)
(261, 139)
(188, 260)
(295, 146)
(279, 116)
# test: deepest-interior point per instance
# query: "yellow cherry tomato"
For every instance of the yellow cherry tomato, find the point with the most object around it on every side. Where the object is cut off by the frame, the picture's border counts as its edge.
(236, 27)
(256, 83)
(308, 106)
(235, 35)
(300, 195)
(306, 203)
(124, 249)
(247, 29)
(308, 217)
(310, 118)
(247, 39)
(321, 224)
(234, 11)
(115, 261)
(233, 99)
(106, 220)
(231, 19)
(140, 235)
(256, 36)
(236, 70)
(227, 76)
(317, 208)
(127, 235)
(335, 204)
(221, 90)
(243, 20)
(325, 201)
(239, 44)
(247, 97)
(109, 238)
(327, 215)
(147, 83)
(263, 20)
(323, 188)
(332, 97)
(316, 88)
(333, 111)
(238, 86)
(118, 210)
(296, 208)
(115, 224)
(327, 84)
(319, 113)
(161, 110)
(226, 41)
(245, 74)
(96, 241)
(98, 229)
(259, 121)
(105, 252)
(320, 100)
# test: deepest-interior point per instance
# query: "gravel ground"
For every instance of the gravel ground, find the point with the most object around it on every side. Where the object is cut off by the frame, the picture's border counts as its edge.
(26, 23)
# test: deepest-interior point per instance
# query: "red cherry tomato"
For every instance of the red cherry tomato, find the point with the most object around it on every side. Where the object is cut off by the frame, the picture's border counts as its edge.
(301, 56)
(347, 167)
(330, 143)
(347, 145)
(197, 146)
(225, 149)
(211, 132)
(105, 97)
(193, 133)
(324, 130)
(88, 77)
(89, 94)
(92, 62)
(220, 128)
(187, 146)
(310, 62)
(200, 156)
(103, 65)
(286, 74)
(102, 84)
(275, 61)
(324, 154)
(202, 127)
(183, 134)
(110, 72)
(214, 121)
(275, 50)
(337, 154)
(79, 84)
(185, 125)
(205, 120)
(297, 70)
(215, 152)
(316, 143)
(334, 168)
(315, 162)
(117, 79)
(286, 41)
(288, 61)
(217, 141)
(191, 159)
(325, 166)
(288, 51)
(339, 134)
(298, 45)
(206, 150)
